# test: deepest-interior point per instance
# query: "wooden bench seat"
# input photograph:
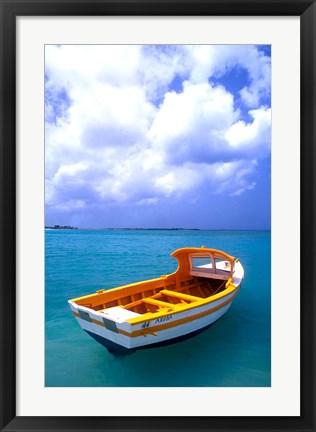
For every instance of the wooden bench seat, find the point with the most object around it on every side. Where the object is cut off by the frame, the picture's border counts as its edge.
(158, 303)
(180, 295)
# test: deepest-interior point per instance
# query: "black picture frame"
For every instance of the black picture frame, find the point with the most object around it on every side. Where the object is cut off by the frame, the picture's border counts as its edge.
(10, 10)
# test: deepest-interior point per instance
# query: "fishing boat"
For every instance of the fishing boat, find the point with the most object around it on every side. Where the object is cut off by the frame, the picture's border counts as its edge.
(166, 309)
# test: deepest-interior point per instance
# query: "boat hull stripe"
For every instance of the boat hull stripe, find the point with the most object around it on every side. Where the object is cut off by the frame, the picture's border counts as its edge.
(118, 350)
(170, 324)
(94, 321)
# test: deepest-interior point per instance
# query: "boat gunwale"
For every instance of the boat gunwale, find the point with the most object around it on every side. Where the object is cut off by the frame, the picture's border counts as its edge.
(174, 254)
(164, 326)
(232, 284)
(183, 307)
(159, 314)
(180, 321)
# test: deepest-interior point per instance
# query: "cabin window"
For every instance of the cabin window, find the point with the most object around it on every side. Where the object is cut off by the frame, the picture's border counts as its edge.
(222, 265)
(198, 262)
(210, 267)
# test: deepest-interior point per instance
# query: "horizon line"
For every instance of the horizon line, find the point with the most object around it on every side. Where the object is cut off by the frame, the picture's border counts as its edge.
(63, 227)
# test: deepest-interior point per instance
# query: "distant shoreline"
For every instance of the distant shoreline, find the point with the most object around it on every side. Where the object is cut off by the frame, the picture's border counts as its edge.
(61, 227)
(64, 228)
(119, 229)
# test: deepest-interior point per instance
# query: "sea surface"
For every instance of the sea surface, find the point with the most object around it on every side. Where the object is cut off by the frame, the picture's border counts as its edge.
(234, 352)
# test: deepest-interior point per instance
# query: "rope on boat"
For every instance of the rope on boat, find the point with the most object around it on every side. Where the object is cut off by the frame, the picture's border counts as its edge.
(219, 287)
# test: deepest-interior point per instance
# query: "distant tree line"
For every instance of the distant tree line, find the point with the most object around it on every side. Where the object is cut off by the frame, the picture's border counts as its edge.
(60, 227)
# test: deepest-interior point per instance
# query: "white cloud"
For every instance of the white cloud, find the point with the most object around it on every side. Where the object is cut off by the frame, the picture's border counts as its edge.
(112, 141)
(148, 201)
(234, 178)
(189, 125)
(254, 136)
(177, 180)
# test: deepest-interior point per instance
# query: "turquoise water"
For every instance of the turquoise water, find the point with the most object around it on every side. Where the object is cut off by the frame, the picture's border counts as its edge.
(233, 352)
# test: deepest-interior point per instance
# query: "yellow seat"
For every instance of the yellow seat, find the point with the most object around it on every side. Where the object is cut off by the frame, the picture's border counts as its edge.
(159, 303)
(180, 295)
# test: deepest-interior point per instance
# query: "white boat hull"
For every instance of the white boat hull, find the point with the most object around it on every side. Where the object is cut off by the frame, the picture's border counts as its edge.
(125, 336)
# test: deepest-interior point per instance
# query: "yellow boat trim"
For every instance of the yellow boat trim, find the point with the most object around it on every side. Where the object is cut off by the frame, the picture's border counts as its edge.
(178, 308)
(173, 308)
(153, 329)
(170, 324)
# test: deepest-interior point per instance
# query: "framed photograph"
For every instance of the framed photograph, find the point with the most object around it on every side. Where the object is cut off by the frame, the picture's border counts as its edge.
(129, 133)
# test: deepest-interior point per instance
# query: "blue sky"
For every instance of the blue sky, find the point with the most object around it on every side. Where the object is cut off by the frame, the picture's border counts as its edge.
(158, 136)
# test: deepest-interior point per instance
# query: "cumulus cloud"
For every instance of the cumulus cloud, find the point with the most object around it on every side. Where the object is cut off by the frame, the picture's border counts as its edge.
(216, 61)
(119, 130)
(189, 125)
(252, 137)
